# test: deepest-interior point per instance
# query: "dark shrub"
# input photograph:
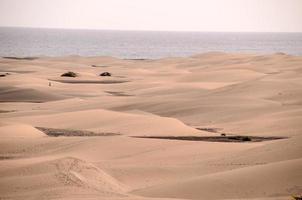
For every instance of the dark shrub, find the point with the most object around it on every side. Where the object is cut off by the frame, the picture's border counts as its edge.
(105, 74)
(5, 74)
(70, 74)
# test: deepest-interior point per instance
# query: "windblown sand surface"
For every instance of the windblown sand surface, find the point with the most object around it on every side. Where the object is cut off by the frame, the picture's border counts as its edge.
(94, 137)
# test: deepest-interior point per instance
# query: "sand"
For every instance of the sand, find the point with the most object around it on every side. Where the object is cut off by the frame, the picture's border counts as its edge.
(95, 137)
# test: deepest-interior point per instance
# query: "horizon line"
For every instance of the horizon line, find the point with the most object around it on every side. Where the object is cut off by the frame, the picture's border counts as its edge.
(148, 30)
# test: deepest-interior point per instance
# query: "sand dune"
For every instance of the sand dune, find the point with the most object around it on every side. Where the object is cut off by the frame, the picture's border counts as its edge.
(20, 130)
(203, 95)
(242, 183)
(112, 122)
(13, 94)
(75, 175)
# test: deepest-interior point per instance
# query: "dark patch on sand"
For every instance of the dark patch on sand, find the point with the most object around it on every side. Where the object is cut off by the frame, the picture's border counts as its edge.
(6, 157)
(18, 71)
(4, 74)
(7, 111)
(212, 130)
(91, 81)
(70, 74)
(15, 94)
(54, 132)
(119, 94)
(100, 66)
(215, 138)
(20, 58)
(137, 59)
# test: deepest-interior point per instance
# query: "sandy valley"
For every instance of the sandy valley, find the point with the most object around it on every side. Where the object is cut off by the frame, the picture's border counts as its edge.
(211, 126)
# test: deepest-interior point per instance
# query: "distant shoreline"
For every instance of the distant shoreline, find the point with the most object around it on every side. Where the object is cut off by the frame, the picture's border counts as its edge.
(34, 42)
(31, 58)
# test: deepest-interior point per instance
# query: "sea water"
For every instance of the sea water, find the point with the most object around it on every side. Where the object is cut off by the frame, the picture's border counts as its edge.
(140, 44)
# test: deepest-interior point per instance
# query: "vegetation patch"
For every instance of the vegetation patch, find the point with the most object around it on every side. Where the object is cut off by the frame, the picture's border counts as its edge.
(91, 81)
(99, 66)
(4, 157)
(105, 74)
(5, 74)
(54, 132)
(20, 58)
(236, 138)
(137, 59)
(7, 111)
(70, 74)
(120, 94)
(212, 130)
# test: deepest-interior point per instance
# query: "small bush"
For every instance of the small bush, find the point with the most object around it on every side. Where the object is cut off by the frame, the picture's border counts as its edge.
(70, 74)
(105, 74)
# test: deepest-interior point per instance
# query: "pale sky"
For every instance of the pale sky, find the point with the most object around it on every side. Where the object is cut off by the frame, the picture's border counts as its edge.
(171, 15)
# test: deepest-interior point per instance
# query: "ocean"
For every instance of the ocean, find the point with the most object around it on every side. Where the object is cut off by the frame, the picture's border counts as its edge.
(140, 44)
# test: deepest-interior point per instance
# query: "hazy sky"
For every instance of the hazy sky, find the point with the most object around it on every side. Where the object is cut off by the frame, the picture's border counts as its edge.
(180, 15)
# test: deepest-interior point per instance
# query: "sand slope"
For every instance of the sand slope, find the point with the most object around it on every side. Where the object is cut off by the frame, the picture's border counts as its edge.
(20, 130)
(76, 176)
(269, 180)
(202, 95)
(112, 122)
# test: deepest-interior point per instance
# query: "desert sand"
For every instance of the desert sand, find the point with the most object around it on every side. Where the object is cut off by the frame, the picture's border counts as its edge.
(204, 95)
